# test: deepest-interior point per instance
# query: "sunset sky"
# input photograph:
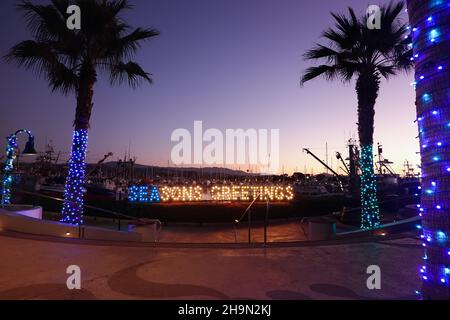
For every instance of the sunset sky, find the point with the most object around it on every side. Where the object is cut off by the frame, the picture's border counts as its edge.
(229, 63)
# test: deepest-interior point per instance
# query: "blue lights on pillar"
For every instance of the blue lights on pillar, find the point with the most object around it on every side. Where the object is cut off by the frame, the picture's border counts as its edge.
(11, 147)
(430, 22)
(72, 211)
(7, 178)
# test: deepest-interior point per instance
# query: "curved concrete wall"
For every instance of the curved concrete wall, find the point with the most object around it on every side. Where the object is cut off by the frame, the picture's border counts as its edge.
(23, 210)
(12, 221)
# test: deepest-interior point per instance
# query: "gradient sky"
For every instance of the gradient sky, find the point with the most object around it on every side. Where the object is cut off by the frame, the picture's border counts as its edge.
(229, 63)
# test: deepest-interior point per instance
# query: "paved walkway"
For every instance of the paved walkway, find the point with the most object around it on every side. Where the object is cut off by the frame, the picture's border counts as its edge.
(35, 269)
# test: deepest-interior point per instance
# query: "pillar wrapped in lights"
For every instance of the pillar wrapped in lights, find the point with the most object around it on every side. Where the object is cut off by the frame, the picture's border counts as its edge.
(11, 148)
(430, 28)
(72, 211)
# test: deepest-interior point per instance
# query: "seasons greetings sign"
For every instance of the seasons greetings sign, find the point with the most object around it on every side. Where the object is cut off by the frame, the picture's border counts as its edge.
(150, 194)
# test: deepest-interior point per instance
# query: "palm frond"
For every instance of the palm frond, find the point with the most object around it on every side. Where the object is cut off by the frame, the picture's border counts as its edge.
(44, 21)
(105, 41)
(130, 72)
(125, 47)
(353, 48)
(320, 52)
(329, 72)
(41, 59)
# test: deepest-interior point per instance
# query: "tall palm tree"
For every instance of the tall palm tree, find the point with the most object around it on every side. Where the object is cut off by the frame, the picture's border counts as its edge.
(355, 51)
(70, 61)
(429, 21)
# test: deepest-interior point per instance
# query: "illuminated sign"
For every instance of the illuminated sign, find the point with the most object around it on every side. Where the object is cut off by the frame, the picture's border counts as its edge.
(249, 193)
(150, 194)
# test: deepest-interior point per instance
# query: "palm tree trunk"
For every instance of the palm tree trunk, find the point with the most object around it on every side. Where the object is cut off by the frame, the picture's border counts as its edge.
(367, 87)
(72, 211)
(429, 20)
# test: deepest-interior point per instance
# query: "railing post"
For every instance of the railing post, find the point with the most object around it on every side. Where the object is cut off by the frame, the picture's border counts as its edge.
(118, 224)
(266, 218)
(249, 226)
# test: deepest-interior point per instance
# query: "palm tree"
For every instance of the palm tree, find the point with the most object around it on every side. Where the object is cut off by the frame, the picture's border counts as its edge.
(355, 51)
(70, 61)
(429, 20)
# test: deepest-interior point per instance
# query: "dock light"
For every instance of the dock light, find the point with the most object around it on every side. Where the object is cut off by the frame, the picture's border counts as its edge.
(440, 68)
(67, 233)
(29, 147)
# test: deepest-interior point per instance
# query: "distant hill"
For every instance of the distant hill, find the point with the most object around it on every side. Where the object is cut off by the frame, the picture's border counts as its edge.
(178, 170)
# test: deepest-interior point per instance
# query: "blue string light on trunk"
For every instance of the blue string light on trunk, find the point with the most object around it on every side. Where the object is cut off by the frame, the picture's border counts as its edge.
(370, 215)
(72, 211)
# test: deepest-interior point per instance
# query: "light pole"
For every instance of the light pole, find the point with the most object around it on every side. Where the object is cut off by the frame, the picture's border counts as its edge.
(11, 148)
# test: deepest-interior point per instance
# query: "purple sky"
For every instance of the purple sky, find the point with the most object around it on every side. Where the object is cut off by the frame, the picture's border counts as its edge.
(229, 63)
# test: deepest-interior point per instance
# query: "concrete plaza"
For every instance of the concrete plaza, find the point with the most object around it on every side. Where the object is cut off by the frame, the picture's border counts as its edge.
(35, 268)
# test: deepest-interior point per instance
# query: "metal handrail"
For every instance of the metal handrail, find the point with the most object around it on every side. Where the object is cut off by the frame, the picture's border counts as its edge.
(247, 211)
